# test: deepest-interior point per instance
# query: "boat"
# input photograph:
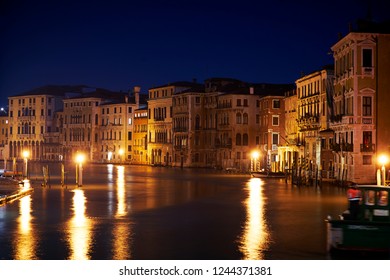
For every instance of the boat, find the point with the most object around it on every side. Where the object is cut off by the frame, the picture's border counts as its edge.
(369, 231)
(268, 174)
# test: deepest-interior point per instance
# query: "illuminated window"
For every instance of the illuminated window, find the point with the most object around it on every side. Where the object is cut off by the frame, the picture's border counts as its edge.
(370, 197)
(382, 198)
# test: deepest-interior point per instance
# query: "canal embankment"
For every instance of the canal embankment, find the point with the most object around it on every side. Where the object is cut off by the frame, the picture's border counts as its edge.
(11, 189)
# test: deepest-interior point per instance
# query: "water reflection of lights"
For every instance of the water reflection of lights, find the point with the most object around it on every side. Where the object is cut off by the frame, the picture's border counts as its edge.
(110, 180)
(121, 230)
(121, 192)
(255, 237)
(79, 228)
(25, 240)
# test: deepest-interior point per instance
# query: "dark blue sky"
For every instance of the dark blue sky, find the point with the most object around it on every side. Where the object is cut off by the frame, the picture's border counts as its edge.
(119, 44)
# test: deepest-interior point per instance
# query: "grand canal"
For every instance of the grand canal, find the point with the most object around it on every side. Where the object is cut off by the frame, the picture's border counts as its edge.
(142, 212)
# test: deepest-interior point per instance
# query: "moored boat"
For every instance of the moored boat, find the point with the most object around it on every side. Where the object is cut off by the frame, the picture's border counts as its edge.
(369, 231)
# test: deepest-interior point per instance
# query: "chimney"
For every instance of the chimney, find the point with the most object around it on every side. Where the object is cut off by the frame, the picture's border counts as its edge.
(251, 90)
(136, 91)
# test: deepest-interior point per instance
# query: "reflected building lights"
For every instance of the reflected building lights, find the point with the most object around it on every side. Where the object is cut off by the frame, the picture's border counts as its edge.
(25, 239)
(79, 228)
(110, 181)
(121, 192)
(122, 230)
(255, 237)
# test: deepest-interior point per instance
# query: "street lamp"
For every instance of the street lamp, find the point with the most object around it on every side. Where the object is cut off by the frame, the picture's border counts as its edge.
(383, 160)
(80, 158)
(121, 152)
(255, 156)
(26, 155)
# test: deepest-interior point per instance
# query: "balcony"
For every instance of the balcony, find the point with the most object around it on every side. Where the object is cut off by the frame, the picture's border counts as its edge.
(368, 148)
(368, 71)
(180, 129)
(344, 147)
(367, 120)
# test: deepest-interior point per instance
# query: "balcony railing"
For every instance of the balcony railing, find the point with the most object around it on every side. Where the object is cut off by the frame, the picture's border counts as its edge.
(344, 147)
(180, 129)
(367, 148)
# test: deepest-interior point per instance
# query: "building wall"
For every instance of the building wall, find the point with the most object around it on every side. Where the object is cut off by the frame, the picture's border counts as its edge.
(360, 94)
(116, 129)
(272, 132)
(140, 134)
(314, 110)
(81, 127)
(30, 117)
(4, 126)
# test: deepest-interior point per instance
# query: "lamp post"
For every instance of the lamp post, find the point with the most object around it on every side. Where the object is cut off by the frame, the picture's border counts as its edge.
(26, 154)
(383, 160)
(255, 156)
(79, 169)
(120, 155)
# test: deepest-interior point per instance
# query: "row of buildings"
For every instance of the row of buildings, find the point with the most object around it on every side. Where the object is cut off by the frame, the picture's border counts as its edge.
(331, 123)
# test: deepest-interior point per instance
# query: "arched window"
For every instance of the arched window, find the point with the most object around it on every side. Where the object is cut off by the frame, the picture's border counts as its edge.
(245, 139)
(238, 139)
(245, 118)
(238, 118)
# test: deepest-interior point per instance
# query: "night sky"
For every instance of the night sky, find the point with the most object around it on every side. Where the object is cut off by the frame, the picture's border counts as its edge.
(119, 44)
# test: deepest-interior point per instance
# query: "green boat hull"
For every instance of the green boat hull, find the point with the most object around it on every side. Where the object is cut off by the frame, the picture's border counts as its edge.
(358, 235)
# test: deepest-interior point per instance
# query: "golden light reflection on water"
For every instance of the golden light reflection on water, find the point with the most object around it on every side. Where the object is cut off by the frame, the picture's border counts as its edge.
(25, 241)
(255, 237)
(121, 230)
(79, 228)
(121, 192)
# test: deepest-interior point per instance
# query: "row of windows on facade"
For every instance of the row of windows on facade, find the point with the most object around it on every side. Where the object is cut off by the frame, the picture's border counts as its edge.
(161, 112)
(81, 119)
(226, 103)
(22, 101)
(28, 129)
(345, 106)
(81, 104)
(346, 61)
(311, 89)
(107, 110)
(78, 135)
(26, 112)
(160, 93)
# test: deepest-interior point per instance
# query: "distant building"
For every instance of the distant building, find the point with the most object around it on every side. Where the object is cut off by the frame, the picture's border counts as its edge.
(99, 123)
(314, 106)
(272, 133)
(140, 135)
(81, 117)
(4, 126)
(31, 117)
(160, 133)
(361, 118)
(289, 152)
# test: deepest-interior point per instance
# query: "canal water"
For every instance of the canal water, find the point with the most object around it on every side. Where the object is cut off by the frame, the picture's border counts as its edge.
(143, 213)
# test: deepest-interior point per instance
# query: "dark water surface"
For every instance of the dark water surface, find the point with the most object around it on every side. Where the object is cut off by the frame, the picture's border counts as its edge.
(141, 212)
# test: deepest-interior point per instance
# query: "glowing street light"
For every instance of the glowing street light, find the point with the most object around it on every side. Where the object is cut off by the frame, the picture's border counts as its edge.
(121, 152)
(26, 155)
(80, 158)
(383, 160)
(255, 155)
